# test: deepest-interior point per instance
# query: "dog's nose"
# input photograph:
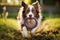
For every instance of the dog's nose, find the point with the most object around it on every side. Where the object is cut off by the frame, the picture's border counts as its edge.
(30, 15)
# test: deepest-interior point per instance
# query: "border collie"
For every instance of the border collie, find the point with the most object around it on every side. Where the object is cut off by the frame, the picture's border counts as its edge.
(33, 10)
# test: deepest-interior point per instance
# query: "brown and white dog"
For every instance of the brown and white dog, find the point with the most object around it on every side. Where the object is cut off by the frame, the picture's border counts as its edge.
(33, 10)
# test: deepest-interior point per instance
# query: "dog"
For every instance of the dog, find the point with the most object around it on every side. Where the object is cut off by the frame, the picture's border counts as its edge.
(33, 10)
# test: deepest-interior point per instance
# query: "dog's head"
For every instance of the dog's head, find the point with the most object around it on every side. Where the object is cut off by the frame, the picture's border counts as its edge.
(31, 11)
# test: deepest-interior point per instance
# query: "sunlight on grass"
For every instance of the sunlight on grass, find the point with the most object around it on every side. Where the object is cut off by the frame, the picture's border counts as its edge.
(12, 23)
(9, 22)
(50, 24)
(9, 27)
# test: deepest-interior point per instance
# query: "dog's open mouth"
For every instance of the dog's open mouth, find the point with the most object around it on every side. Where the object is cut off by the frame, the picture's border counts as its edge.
(30, 22)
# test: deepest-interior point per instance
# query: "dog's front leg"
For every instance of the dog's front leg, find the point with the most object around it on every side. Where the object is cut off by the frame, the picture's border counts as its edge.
(25, 32)
(33, 31)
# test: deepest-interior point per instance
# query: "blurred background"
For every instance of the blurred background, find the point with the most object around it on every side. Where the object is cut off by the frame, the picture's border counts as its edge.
(50, 7)
(8, 17)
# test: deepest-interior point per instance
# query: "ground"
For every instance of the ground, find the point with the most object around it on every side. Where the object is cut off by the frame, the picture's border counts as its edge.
(9, 30)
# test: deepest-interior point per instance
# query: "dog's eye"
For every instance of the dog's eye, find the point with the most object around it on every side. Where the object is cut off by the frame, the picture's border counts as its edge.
(28, 11)
(33, 11)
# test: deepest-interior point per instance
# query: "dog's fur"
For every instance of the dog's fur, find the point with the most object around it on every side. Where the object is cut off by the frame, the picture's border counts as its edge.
(33, 10)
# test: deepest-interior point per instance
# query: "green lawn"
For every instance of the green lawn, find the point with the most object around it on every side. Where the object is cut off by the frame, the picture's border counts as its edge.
(51, 24)
(9, 29)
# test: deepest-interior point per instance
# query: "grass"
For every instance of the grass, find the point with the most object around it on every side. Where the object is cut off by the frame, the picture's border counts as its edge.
(9, 22)
(52, 23)
(9, 27)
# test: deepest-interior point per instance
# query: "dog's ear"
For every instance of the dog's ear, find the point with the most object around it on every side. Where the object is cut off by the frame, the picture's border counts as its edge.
(37, 6)
(24, 4)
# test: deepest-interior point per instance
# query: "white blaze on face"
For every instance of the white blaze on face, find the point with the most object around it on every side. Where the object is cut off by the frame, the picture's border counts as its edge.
(30, 12)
